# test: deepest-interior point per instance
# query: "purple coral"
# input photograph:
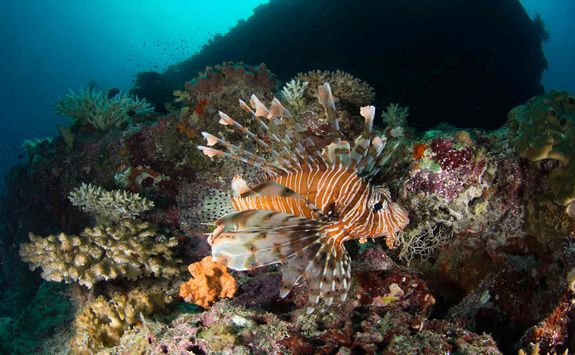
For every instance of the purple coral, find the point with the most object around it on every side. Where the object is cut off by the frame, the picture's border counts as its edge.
(448, 171)
(451, 159)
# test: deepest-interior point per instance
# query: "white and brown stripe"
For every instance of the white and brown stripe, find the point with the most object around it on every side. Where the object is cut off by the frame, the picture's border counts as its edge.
(338, 192)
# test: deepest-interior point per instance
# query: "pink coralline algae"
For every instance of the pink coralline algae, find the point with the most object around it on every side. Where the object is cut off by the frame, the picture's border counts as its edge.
(445, 169)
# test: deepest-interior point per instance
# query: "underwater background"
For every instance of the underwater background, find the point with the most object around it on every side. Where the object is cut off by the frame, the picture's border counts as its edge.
(104, 102)
(50, 48)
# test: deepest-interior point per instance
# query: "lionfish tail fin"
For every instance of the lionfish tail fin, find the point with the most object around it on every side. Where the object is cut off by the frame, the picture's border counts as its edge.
(254, 238)
(207, 204)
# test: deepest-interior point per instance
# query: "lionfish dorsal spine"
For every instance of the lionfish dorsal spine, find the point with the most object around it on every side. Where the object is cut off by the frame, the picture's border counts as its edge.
(361, 144)
(326, 100)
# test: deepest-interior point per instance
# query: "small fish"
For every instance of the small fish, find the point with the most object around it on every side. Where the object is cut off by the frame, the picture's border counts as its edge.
(307, 205)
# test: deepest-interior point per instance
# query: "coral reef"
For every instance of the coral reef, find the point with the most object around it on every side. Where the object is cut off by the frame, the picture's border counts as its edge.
(386, 313)
(100, 110)
(224, 328)
(545, 129)
(220, 86)
(129, 250)
(103, 321)
(485, 266)
(210, 281)
(347, 89)
(462, 186)
(109, 206)
(293, 92)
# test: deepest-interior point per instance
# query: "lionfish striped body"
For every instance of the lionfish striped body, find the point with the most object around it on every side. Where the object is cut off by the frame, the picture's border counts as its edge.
(307, 206)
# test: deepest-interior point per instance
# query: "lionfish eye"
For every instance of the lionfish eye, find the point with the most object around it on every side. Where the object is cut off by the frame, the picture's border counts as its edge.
(377, 206)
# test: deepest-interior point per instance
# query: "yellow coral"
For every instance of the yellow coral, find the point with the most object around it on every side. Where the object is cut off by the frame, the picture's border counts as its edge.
(545, 129)
(210, 281)
(102, 322)
(129, 250)
(109, 206)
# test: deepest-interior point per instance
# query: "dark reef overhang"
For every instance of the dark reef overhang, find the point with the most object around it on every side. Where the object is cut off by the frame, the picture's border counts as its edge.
(462, 62)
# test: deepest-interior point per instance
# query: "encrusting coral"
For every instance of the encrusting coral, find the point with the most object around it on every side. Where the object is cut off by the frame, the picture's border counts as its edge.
(97, 108)
(103, 321)
(347, 89)
(545, 129)
(210, 281)
(109, 206)
(127, 250)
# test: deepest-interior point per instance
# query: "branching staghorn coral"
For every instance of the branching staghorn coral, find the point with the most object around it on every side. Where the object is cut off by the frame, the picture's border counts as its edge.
(97, 108)
(347, 89)
(102, 322)
(293, 91)
(127, 250)
(109, 206)
(395, 115)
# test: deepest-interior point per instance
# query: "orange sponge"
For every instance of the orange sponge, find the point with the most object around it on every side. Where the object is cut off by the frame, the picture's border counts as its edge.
(210, 281)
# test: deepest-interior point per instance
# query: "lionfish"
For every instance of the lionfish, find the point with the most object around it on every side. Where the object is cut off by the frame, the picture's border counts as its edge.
(306, 205)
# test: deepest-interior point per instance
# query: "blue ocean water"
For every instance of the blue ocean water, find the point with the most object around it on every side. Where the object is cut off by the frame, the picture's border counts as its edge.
(560, 49)
(49, 47)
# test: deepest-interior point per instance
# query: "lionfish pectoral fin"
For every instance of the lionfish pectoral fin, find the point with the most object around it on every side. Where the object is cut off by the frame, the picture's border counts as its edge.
(324, 266)
(208, 204)
(255, 238)
(250, 239)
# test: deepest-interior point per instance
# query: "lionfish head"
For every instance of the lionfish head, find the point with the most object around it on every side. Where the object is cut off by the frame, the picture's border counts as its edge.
(387, 218)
